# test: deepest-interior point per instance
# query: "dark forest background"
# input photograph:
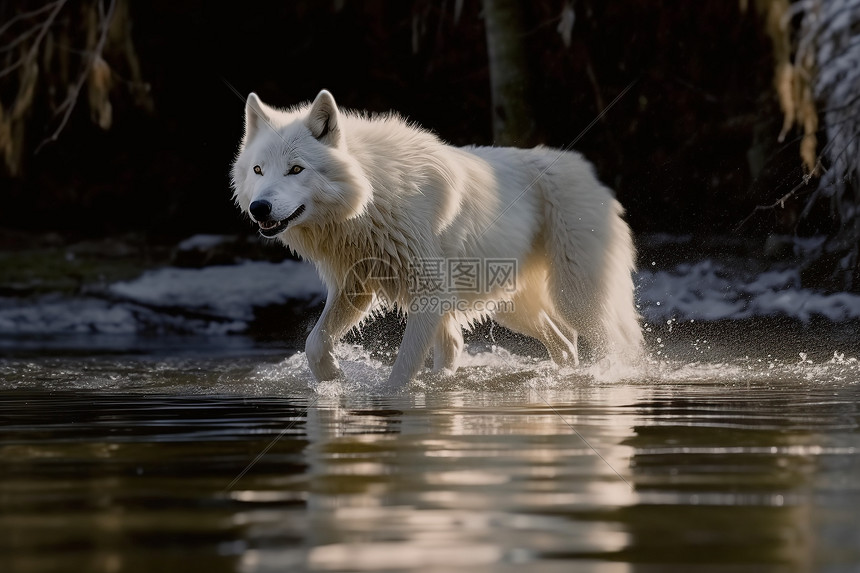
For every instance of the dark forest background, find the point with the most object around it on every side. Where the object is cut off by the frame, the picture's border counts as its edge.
(691, 148)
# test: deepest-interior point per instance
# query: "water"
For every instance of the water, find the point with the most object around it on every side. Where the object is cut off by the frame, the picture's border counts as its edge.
(732, 449)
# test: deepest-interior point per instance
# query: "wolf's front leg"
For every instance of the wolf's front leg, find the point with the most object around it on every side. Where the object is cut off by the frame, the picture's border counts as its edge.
(340, 314)
(421, 327)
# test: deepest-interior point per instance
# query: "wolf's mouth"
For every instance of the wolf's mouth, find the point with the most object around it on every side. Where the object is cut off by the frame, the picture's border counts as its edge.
(272, 228)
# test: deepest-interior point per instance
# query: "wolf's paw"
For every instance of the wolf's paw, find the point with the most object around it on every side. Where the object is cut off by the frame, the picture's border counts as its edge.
(325, 369)
(322, 361)
(397, 381)
(444, 372)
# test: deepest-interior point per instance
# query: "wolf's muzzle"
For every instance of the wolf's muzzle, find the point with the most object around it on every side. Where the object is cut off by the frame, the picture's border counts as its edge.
(269, 227)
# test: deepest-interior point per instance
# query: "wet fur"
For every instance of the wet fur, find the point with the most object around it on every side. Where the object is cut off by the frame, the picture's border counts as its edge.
(381, 194)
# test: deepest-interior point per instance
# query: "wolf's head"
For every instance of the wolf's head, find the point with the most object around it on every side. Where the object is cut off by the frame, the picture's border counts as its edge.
(294, 168)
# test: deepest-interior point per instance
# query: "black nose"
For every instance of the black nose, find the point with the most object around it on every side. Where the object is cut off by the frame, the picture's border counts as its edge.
(260, 210)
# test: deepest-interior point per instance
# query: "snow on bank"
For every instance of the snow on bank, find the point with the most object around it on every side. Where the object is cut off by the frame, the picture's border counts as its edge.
(52, 314)
(211, 300)
(227, 292)
(224, 299)
(708, 290)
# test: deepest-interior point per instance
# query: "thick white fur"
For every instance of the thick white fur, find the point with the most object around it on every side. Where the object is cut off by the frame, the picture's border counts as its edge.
(381, 194)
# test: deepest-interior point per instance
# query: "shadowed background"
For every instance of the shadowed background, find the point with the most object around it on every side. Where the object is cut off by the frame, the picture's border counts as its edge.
(692, 147)
(121, 118)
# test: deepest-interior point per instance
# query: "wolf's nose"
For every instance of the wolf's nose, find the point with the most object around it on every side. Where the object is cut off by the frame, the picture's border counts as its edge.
(260, 209)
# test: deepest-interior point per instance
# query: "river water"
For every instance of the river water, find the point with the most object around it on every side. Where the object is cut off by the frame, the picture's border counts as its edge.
(733, 448)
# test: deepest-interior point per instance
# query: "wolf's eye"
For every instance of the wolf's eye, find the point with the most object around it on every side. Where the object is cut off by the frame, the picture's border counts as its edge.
(295, 170)
(258, 170)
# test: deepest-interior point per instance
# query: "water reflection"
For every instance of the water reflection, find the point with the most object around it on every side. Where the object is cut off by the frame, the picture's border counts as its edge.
(445, 481)
(768, 454)
(181, 464)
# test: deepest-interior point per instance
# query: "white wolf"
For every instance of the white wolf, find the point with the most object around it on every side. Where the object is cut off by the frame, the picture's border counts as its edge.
(388, 213)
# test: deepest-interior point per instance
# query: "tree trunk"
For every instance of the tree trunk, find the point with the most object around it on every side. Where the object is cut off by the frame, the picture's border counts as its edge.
(513, 120)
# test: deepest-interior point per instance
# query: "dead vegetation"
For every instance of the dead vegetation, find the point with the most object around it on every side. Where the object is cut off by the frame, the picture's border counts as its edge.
(51, 52)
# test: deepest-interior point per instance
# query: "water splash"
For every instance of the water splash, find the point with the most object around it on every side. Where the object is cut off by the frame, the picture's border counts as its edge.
(680, 353)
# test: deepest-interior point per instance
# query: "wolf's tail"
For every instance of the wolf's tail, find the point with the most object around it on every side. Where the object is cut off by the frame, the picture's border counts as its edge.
(592, 258)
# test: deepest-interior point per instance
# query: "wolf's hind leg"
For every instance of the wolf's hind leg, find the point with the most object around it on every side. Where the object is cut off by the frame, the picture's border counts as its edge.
(421, 327)
(538, 324)
(448, 344)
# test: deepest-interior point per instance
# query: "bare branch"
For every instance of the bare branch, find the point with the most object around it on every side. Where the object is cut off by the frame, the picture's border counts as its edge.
(72, 99)
(13, 66)
(43, 30)
(18, 40)
(778, 203)
(25, 15)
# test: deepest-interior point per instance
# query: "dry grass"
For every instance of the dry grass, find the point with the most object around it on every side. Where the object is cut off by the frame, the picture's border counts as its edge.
(54, 51)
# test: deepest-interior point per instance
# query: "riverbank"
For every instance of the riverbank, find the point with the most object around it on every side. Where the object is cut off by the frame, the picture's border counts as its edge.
(223, 285)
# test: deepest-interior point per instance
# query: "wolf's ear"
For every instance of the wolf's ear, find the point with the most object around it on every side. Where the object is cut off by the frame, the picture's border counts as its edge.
(255, 117)
(323, 119)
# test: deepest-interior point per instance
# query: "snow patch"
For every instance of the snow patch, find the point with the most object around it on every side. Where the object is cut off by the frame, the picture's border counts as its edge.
(203, 242)
(226, 291)
(707, 290)
(211, 300)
